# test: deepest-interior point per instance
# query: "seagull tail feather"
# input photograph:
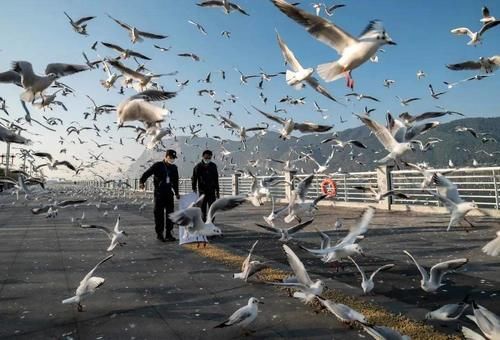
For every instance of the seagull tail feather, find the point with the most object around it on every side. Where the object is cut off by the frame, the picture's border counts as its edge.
(330, 71)
(28, 96)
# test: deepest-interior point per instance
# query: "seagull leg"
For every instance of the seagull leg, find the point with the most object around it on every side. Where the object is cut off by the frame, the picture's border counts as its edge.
(469, 223)
(79, 307)
(350, 81)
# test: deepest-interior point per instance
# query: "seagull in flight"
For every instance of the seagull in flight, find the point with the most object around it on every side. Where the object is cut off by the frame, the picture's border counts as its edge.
(248, 267)
(432, 281)
(226, 6)
(367, 284)
(116, 235)
(79, 26)
(354, 51)
(87, 286)
(285, 233)
(484, 64)
(307, 288)
(135, 34)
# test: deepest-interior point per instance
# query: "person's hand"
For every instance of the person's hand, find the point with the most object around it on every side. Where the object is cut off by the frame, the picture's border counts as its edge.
(178, 196)
(141, 186)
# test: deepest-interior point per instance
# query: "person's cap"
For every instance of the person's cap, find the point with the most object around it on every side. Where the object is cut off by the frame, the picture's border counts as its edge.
(207, 152)
(171, 153)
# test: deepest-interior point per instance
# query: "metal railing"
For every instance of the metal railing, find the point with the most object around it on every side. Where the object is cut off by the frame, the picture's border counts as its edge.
(481, 185)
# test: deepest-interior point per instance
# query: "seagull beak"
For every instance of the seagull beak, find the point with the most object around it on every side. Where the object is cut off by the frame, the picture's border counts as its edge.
(390, 42)
(261, 303)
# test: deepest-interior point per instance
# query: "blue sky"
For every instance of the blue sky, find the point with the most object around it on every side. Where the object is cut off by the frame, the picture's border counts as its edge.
(38, 31)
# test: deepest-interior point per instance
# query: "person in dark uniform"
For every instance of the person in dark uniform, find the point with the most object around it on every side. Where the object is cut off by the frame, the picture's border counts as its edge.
(166, 184)
(205, 181)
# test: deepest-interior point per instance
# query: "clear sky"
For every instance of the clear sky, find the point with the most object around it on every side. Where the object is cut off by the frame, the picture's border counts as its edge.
(38, 31)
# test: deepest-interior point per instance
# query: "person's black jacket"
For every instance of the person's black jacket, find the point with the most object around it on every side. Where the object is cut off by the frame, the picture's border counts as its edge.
(205, 178)
(160, 170)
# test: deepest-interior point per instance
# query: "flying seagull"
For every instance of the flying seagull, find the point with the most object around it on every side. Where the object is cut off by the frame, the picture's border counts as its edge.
(87, 286)
(226, 6)
(432, 281)
(285, 233)
(139, 107)
(484, 64)
(354, 51)
(79, 26)
(248, 267)
(300, 75)
(135, 34)
(367, 284)
(116, 235)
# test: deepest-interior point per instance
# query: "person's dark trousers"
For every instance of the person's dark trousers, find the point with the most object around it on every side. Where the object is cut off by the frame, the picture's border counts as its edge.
(162, 206)
(207, 202)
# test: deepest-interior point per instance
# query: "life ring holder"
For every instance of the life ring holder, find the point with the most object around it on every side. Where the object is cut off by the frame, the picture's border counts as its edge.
(329, 187)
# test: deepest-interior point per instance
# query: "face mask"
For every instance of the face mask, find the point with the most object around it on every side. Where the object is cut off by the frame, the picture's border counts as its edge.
(171, 161)
(206, 161)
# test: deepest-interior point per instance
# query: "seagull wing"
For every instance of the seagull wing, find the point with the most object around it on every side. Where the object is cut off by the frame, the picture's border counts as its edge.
(154, 95)
(223, 204)
(314, 83)
(122, 24)
(381, 132)
(10, 77)
(322, 29)
(361, 271)
(288, 55)
(466, 65)
(98, 227)
(304, 186)
(380, 269)
(276, 119)
(90, 273)
(113, 47)
(268, 228)
(152, 35)
(298, 227)
(297, 267)
(61, 70)
(439, 270)
(358, 229)
(82, 20)
(446, 188)
(421, 269)
(311, 127)
(487, 26)
(187, 217)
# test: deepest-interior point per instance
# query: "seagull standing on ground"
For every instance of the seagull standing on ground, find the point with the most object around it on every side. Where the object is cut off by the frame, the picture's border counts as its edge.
(243, 316)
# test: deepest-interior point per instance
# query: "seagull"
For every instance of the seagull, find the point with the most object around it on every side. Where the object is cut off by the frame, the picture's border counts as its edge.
(367, 284)
(274, 213)
(248, 267)
(289, 125)
(243, 316)
(112, 77)
(244, 78)
(448, 312)
(143, 79)
(116, 235)
(396, 149)
(428, 175)
(34, 84)
(191, 217)
(435, 95)
(88, 286)
(77, 25)
(447, 193)
(342, 145)
(354, 51)
(406, 101)
(488, 322)
(198, 26)
(226, 6)
(190, 55)
(484, 64)
(431, 283)
(307, 289)
(475, 37)
(125, 52)
(299, 74)
(389, 82)
(492, 248)
(285, 234)
(347, 246)
(240, 130)
(138, 107)
(379, 195)
(344, 313)
(360, 96)
(322, 167)
(135, 34)
(297, 205)
(421, 74)
(329, 10)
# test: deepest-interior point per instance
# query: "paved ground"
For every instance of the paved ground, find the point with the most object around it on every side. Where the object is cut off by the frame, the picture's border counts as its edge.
(155, 290)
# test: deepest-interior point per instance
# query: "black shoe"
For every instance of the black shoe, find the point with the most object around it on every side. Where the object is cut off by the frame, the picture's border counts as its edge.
(160, 238)
(170, 238)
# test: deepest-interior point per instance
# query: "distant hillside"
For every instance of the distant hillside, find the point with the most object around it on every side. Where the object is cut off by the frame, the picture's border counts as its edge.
(461, 148)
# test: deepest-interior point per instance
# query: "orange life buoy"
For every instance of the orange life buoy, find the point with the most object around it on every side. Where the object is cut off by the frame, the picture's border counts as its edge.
(329, 187)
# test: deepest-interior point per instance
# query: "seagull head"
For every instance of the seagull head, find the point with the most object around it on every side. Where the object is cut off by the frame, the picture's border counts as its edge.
(375, 31)
(254, 301)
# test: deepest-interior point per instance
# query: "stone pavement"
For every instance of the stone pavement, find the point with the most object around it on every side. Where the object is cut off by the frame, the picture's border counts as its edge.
(155, 290)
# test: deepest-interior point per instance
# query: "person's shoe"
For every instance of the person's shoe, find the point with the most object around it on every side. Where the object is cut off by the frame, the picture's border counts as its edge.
(170, 238)
(161, 238)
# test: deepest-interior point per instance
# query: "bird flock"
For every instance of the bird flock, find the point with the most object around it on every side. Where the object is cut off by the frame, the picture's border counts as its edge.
(125, 71)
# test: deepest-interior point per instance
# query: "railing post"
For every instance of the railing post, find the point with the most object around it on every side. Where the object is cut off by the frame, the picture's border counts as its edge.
(384, 183)
(235, 184)
(289, 175)
(495, 185)
(345, 188)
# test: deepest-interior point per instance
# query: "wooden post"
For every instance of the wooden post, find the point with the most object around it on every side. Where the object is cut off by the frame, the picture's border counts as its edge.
(235, 184)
